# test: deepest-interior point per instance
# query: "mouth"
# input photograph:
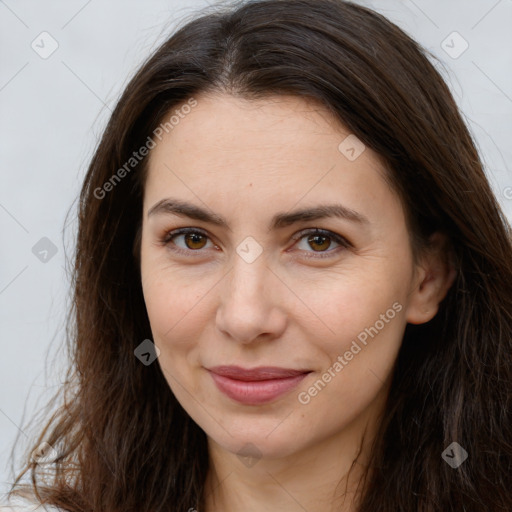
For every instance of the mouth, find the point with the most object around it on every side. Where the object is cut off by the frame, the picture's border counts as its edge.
(256, 386)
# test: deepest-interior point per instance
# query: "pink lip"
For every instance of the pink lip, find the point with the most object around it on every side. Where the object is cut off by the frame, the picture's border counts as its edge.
(256, 385)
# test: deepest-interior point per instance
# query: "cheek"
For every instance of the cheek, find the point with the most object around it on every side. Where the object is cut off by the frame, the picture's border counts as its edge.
(161, 304)
(178, 311)
(363, 321)
(172, 296)
(173, 331)
(368, 336)
(344, 304)
(358, 362)
(170, 309)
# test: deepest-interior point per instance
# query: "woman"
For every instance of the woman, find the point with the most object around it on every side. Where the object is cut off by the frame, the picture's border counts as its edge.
(293, 282)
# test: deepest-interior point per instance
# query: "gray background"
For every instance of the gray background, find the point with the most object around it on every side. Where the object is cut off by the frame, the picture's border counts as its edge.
(53, 111)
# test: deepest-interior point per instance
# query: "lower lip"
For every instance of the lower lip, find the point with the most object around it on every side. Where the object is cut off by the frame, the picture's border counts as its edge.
(255, 392)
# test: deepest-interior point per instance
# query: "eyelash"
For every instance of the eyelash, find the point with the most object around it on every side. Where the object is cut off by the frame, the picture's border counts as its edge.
(343, 242)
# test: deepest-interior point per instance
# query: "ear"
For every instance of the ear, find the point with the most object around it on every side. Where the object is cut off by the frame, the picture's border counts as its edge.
(433, 278)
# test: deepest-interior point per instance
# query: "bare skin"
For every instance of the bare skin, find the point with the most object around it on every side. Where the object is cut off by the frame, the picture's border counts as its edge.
(301, 303)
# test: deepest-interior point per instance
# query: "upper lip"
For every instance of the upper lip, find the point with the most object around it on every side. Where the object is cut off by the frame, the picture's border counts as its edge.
(255, 374)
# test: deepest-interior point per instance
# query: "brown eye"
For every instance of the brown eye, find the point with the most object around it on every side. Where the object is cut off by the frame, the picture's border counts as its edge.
(320, 241)
(194, 240)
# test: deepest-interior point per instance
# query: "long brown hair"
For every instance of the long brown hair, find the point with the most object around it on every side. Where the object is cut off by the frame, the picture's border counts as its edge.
(124, 442)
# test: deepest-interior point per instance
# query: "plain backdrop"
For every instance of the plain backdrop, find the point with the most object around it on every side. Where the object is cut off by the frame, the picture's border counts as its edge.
(53, 108)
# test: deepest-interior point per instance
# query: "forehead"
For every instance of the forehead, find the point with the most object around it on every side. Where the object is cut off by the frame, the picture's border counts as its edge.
(231, 126)
(279, 149)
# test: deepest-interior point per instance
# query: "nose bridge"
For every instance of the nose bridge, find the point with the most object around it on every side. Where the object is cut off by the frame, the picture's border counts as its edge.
(248, 305)
(248, 281)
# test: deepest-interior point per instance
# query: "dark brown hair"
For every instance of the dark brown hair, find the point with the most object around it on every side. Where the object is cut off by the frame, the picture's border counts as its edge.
(124, 442)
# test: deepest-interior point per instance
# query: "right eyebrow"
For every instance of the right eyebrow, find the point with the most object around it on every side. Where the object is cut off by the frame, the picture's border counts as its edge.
(171, 206)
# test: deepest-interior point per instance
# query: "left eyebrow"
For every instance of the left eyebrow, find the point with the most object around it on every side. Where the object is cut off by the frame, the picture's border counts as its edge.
(280, 220)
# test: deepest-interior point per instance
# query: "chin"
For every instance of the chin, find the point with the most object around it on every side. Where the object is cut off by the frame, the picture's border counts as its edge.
(253, 439)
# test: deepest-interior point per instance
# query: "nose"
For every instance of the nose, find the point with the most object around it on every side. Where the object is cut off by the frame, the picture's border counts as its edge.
(250, 302)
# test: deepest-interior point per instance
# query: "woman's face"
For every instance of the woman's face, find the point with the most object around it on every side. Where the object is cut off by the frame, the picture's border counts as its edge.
(252, 286)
